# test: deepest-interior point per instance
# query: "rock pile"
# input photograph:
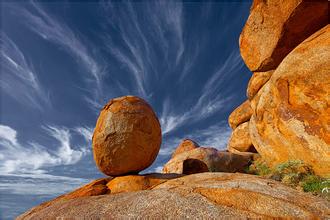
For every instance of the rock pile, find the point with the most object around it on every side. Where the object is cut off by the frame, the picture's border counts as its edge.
(286, 44)
(189, 158)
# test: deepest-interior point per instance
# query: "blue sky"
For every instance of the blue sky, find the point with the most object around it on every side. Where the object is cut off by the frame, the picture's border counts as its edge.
(61, 62)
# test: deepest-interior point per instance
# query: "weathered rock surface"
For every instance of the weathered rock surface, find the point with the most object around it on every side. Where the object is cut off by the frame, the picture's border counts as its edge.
(292, 111)
(240, 139)
(197, 196)
(95, 188)
(276, 27)
(253, 155)
(240, 115)
(127, 136)
(133, 183)
(257, 80)
(185, 145)
(216, 161)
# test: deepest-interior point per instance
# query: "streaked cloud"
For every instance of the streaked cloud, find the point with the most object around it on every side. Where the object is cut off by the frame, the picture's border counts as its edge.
(85, 132)
(33, 158)
(25, 184)
(54, 30)
(19, 79)
(213, 136)
(140, 49)
(212, 99)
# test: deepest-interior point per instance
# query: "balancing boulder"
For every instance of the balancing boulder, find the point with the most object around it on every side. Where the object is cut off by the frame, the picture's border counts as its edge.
(127, 136)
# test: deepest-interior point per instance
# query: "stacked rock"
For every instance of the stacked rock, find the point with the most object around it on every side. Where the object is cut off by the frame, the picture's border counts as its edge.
(286, 44)
(189, 158)
(127, 136)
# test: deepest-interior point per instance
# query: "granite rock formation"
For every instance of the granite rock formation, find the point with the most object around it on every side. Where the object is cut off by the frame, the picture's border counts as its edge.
(203, 195)
(198, 159)
(292, 113)
(127, 136)
(275, 27)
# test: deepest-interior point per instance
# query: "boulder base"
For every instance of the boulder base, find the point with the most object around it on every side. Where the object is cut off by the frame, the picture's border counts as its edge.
(197, 196)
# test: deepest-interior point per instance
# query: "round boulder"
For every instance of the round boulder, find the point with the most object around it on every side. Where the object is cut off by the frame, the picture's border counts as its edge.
(127, 136)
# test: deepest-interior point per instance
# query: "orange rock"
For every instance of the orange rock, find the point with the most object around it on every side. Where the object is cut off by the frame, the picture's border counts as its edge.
(196, 196)
(216, 161)
(257, 80)
(292, 110)
(240, 139)
(185, 145)
(133, 183)
(127, 136)
(276, 27)
(240, 115)
(95, 188)
(253, 156)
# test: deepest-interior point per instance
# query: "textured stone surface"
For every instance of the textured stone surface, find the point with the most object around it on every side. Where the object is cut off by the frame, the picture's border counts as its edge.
(292, 111)
(253, 155)
(127, 136)
(95, 188)
(185, 145)
(240, 139)
(133, 183)
(257, 80)
(197, 196)
(240, 115)
(275, 27)
(216, 161)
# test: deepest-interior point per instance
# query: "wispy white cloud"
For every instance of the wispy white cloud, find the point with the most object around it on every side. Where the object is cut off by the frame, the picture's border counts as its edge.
(214, 136)
(18, 77)
(211, 100)
(54, 30)
(140, 48)
(33, 158)
(86, 132)
(25, 184)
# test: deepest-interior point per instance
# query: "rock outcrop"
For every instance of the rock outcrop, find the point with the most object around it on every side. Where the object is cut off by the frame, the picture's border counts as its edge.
(204, 195)
(132, 183)
(185, 145)
(240, 115)
(275, 27)
(240, 139)
(196, 160)
(257, 80)
(286, 46)
(127, 136)
(292, 111)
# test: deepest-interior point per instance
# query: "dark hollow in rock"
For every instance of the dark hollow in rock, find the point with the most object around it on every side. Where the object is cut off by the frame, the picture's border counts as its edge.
(191, 166)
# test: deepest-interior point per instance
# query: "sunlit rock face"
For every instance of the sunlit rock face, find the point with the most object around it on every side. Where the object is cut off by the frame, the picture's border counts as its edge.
(257, 80)
(240, 115)
(196, 196)
(286, 46)
(195, 159)
(184, 146)
(240, 139)
(127, 136)
(276, 27)
(292, 111)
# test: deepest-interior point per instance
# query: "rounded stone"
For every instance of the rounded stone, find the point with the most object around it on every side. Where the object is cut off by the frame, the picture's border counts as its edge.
(127, 136)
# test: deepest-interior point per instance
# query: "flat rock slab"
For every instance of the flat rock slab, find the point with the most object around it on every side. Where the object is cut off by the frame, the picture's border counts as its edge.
(197, 196)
